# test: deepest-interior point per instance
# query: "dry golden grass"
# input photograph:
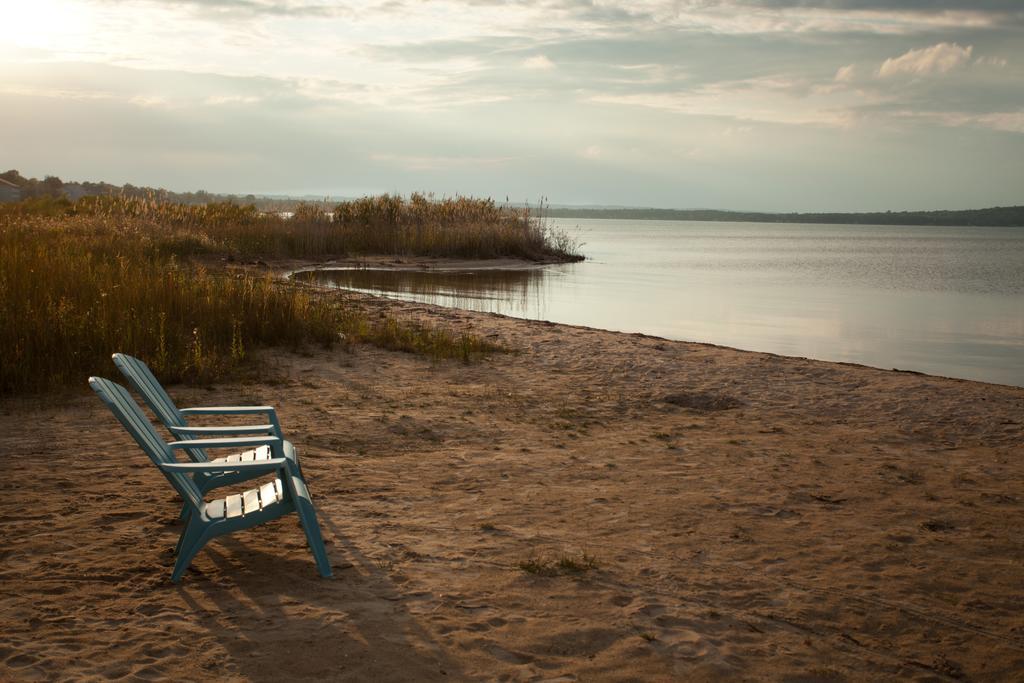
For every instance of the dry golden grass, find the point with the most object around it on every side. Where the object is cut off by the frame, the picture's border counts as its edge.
(460, 227)
(78, 282)
(72, 292)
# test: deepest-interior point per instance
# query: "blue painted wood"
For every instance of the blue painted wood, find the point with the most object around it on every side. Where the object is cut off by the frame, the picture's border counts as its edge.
(148, 386)
(269, 411)
(207, 520)
(252, 429)
(145, 382)
(228, 410)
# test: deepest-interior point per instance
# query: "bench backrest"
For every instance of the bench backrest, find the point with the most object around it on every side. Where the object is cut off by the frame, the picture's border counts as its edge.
(145, 382)
(128, 413)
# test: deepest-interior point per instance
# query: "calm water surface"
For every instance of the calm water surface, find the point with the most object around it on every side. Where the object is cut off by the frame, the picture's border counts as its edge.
(945, 301)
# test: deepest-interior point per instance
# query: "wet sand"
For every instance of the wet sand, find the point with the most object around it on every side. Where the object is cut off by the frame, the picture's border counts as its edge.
(749, 517)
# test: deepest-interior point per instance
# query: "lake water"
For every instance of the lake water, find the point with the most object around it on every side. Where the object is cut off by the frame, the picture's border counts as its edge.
(944, 301)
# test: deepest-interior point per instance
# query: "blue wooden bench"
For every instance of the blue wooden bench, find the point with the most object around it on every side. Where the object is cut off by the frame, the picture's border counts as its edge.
(175, 420)
(287, 493)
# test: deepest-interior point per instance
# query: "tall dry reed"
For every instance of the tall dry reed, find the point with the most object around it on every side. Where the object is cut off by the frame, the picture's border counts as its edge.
(460, 227)
(71, 293)
(78, 282)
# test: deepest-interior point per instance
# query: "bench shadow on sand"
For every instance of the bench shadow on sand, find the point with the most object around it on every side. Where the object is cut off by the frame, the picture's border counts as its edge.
(290, 623)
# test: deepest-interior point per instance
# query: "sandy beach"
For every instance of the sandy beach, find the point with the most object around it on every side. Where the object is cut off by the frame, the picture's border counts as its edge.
(730, 515)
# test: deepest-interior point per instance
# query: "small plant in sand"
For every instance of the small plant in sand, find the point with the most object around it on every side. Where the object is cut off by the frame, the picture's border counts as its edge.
(385, 564)
(563, 565)
(434, 342)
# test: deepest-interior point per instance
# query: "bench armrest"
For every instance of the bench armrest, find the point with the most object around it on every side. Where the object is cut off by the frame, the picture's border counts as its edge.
(275, 443)
(269, 411)
(266, 429)
(228, 442)
(229, 410)
(213, 467)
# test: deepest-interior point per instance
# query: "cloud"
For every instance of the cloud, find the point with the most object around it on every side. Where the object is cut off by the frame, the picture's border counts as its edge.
(937, 59)
(539, 62)
(1004, 121)
(737, 131)
(992, 61)
(587, 91)
(905, 5)
(437, 162)
(221, 100)
(845, 74)
(765, 99)
(255, 7)
(1011, 121)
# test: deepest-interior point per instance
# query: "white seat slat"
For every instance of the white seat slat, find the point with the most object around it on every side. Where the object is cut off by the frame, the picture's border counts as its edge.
(268, 495)
(261, 453)
(251, 501)
(233, 505)
(215, 509)
(277, 487)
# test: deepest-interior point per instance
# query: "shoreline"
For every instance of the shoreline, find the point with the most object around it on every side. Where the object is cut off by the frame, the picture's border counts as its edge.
(748, 515)
(427, 264)
(412, 263)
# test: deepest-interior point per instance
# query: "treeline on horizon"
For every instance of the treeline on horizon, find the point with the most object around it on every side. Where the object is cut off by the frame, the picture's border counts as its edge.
(54, 188)
(999, 216)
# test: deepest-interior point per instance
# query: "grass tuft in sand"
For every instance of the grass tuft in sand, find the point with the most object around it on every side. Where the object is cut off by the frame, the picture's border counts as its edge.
(563, 565)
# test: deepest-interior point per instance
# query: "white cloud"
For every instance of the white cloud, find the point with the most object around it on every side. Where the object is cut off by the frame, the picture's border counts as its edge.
(539, 62)
(845, 74)
(149, 101)
(1010, 121)
(438, 162)
(1005, 121)
(591, 152)
(737, 131)
(219, 100)
(937, 59)
(766, 99)
(991, 61)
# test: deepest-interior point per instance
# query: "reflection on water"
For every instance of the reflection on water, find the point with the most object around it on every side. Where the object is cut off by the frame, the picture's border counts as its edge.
(945, 301)
(513, 292)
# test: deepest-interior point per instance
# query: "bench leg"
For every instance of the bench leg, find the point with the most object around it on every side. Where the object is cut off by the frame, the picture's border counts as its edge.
(307, 517)
(191, 542)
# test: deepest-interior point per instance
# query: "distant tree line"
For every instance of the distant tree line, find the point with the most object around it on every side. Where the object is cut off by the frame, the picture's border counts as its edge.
(1012, 216)
(54, 187)
(1000, 216)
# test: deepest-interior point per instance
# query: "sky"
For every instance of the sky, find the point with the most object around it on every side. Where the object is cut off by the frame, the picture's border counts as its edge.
(774, 105)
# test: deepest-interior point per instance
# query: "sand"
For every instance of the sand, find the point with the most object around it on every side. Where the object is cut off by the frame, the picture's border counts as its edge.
(748, 517)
